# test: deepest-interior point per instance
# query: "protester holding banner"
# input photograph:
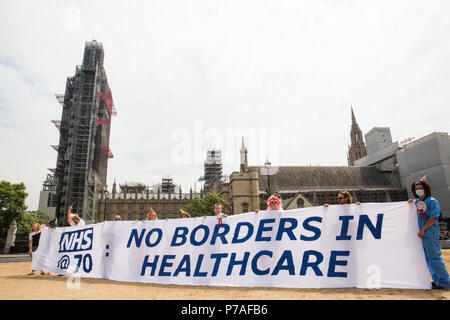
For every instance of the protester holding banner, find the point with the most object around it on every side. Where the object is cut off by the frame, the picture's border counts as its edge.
(151, 215)
(33, 241)
(428, 209)
(73, 219)
(219, 214)
(344, 197)
(184, 214)
(274, 202)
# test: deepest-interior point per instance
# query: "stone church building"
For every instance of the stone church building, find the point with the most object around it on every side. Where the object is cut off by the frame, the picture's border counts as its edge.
(305, 186)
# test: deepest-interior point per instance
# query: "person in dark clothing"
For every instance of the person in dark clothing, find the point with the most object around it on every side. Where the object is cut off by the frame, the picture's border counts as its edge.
(33, 241)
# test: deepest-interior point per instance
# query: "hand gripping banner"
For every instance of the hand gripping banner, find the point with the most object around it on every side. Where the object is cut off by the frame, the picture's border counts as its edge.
(371, 245)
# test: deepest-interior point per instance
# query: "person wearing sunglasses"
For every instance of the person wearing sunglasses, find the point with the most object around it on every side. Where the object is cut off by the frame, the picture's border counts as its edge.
(274, 202)
(343, 197)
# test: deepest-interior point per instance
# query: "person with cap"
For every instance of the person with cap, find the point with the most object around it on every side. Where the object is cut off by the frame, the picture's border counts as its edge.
(151, 215)
(428, 209)
(184, 214)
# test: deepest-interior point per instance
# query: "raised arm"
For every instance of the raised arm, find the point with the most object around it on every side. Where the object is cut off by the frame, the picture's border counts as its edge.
(69, 215)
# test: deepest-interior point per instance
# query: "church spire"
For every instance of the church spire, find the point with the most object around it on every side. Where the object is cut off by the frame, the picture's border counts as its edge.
(353, 117)
(244, 161)
(357, 148)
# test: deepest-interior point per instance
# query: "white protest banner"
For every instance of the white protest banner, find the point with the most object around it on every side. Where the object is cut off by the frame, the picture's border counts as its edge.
(371, 245)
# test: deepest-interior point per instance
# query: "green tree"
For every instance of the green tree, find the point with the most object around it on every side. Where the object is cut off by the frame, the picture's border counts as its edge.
(12, 204)
(200, 207)
(28, 218)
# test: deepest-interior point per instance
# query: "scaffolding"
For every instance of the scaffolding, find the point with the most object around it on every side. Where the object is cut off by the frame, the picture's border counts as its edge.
(57, 123)
(60, 98)
(107, 152)
(84, 128)
(212, 170)
(167, 185)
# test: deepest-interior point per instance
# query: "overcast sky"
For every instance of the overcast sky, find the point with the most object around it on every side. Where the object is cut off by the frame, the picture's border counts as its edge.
(187, 75)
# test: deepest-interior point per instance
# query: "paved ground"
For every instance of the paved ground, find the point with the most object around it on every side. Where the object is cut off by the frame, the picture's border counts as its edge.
(5, 258)
(15, 284)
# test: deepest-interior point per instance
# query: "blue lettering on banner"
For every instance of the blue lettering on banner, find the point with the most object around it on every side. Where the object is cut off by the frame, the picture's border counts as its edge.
(334, 262)
(234, 262)
(220, 235)
(255, 269)
(311, 259)
(365, 221)
(218, 257)
(139, 237)
(64, 262)
(344, 228)
(314, 265)
(197, 272)
(261, 263)
(282, 228)
(309, 227)
(262, 229)
(164, 264)
(286, 256)
(75, 241)
(205, 235)
(149, 234)
(180, 232)
(151, 264)
(238, 229)
(186, 260)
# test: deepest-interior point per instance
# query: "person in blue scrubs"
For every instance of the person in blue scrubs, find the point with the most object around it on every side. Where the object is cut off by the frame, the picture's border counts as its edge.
(428, 209)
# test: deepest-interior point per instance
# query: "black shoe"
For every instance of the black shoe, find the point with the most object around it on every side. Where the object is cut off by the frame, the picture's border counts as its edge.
(433, 285)
(438, 287)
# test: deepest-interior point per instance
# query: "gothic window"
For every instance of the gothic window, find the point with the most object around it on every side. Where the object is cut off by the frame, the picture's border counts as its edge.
(300, 203)
(245, 207)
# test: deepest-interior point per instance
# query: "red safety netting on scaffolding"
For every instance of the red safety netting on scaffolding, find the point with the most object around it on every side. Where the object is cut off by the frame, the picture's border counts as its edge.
(107, 97)
(107, 152)
(103, 121)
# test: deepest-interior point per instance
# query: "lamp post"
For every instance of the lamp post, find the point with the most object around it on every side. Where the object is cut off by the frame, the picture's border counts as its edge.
(267, 166)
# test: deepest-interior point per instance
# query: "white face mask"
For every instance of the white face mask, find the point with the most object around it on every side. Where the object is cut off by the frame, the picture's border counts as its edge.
(420, 192)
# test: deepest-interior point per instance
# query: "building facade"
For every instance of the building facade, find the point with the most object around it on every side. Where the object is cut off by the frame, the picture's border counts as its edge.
(428, 156)
(46, 196)
(305, 186)
(83, 149)
(134, 203)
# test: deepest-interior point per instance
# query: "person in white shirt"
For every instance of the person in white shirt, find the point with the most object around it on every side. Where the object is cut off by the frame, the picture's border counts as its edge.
(73, 219)
(219, 214)
(33, 241)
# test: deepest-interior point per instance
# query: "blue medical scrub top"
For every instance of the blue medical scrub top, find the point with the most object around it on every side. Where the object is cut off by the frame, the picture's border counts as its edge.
(432, 211)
